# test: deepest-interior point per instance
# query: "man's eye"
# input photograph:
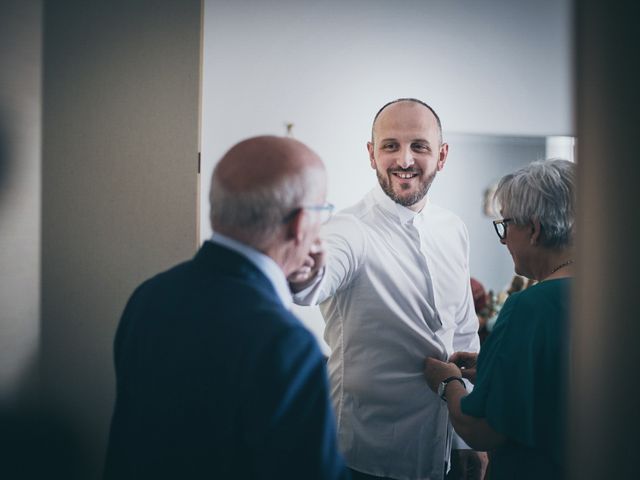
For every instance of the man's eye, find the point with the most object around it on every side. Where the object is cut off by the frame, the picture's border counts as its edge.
(389, 146)
(420, 147)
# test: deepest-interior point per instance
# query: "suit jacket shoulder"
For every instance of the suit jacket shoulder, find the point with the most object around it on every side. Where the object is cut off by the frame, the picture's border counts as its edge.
(215, 377)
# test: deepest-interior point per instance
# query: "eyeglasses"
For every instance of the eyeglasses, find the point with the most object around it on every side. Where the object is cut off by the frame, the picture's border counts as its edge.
(325, 211)
(501, 227)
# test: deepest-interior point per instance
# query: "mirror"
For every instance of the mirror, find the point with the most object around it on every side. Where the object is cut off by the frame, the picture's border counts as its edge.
(474, 166)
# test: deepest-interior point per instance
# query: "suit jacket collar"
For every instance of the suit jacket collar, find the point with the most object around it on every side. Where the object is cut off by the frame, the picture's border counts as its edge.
(219, 258)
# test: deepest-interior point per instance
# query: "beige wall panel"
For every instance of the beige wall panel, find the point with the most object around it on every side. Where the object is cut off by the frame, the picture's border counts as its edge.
(120, 143)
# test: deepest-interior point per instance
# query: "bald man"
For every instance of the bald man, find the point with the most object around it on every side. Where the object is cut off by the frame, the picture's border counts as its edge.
(215, 377)
(395, 286)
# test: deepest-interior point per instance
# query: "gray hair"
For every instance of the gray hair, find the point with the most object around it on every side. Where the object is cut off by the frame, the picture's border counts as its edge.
(543, 191)
(258, 214)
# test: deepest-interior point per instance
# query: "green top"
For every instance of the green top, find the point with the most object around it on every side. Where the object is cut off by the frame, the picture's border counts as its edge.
(520, 387)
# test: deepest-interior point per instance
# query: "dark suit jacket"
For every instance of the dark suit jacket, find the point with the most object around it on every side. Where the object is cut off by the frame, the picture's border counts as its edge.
(216, 379)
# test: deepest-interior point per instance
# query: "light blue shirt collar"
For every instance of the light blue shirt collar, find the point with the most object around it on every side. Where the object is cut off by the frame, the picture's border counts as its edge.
(264, 263)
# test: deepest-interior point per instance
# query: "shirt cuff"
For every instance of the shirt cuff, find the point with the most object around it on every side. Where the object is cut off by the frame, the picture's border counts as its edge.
(457, 443)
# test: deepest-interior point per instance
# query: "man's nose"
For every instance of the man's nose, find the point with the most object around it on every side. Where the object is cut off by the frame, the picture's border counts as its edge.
(405, 158)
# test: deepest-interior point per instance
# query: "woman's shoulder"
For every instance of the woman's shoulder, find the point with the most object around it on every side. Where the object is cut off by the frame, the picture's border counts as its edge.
(558, 288)
(543, 301)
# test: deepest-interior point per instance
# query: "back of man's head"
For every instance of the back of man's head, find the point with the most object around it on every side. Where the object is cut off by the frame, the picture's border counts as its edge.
(258, 183)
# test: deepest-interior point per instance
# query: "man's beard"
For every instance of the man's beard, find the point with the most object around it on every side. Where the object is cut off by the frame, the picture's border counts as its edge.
(405, 201)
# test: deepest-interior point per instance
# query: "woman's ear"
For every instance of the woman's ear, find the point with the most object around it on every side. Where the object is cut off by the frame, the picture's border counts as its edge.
(536, 232)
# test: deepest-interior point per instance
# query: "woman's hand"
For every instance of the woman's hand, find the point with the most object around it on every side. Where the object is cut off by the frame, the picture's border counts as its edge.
(466, 361)
(436, 371)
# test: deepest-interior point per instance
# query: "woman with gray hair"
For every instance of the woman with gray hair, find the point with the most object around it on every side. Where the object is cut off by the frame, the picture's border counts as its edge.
(516, 409)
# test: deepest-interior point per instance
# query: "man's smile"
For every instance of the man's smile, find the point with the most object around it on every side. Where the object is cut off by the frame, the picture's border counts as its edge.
(404, 175)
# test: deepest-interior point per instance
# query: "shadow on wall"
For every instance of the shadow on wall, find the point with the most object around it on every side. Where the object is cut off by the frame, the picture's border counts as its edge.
(4, 157)
(33, 444)
(37, 445)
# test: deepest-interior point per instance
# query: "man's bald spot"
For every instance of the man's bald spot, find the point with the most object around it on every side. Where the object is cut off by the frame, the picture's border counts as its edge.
(264, 160)
(414, 101)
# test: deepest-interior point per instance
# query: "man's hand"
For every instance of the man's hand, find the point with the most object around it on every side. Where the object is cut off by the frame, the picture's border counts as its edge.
(306, 274)
(466, 361)
(467, 465)
(436, 371)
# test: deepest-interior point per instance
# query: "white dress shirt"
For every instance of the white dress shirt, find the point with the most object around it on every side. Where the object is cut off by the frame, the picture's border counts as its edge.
(395, 290)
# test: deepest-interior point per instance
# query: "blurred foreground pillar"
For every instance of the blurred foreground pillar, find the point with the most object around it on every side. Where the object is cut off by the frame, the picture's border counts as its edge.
(604, 422)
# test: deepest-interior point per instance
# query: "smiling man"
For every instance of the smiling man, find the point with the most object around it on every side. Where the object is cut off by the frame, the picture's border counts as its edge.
(406, 151)
(395, 286)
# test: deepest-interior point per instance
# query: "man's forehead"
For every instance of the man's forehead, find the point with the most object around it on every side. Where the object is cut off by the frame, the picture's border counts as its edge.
(407, 128)
(408, 137)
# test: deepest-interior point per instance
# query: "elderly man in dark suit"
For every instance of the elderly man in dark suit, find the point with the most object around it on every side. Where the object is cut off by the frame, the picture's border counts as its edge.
(216, 378)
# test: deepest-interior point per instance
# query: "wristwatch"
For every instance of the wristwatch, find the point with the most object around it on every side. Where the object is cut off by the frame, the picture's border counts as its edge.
(442, 388)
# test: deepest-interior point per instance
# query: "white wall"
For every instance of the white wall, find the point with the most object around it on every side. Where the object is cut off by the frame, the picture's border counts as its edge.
(488, 67)
(494, 66)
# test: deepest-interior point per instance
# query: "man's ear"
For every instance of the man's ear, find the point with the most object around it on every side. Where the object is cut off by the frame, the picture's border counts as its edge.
(536, 232)
(372, 157)
(442, 158)
(295, 226)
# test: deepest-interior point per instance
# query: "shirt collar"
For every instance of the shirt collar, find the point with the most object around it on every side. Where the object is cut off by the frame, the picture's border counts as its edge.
(264, 263)
(403, 214)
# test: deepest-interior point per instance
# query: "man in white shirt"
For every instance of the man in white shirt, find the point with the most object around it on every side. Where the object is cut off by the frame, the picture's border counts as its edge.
(395, 288)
